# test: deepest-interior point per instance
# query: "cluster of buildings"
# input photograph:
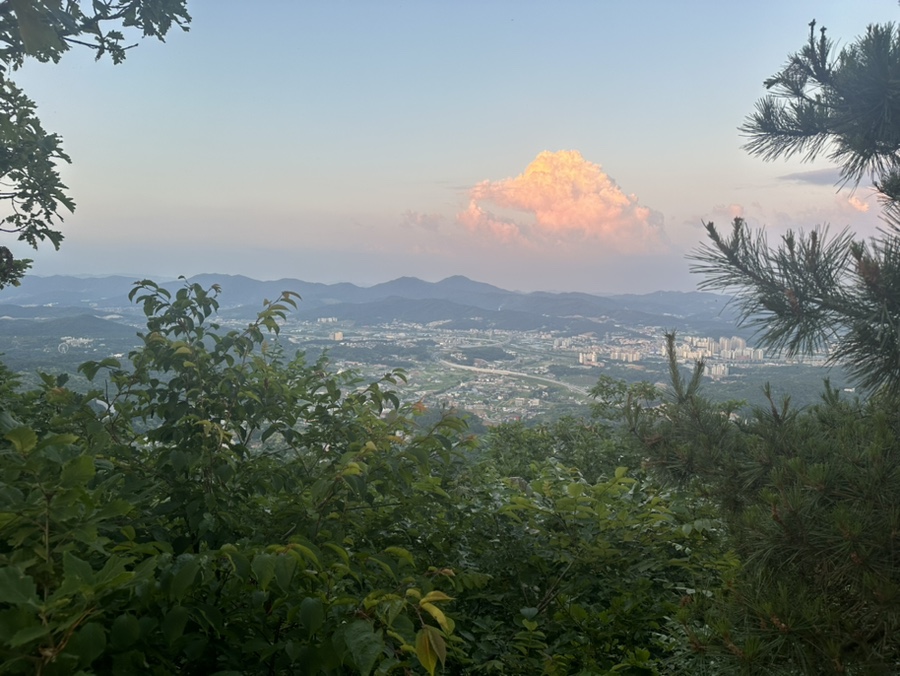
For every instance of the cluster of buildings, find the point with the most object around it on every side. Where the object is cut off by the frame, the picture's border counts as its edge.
(732, 349)
(593, 358)
(718, 353)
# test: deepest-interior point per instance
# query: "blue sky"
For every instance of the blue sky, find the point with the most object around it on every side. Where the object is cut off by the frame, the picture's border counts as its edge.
(362, 141)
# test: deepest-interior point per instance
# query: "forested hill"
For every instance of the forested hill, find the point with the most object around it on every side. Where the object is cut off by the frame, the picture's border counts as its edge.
(459, 300)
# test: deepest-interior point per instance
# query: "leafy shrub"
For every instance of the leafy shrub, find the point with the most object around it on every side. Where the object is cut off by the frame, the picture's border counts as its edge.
(214, 507)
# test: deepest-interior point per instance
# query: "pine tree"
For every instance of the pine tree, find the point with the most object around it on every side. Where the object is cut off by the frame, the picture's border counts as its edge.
(810, 500)
(810, 505)
(815, 291)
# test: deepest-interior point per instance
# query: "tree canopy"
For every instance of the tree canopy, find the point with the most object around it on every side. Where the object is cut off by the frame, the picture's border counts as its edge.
(809, 502)
(32, 194)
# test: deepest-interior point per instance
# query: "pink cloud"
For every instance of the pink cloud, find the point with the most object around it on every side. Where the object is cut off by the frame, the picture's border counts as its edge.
(839, 211)
(476, 219)
(858, 204)
(416, 219)
(561, 197)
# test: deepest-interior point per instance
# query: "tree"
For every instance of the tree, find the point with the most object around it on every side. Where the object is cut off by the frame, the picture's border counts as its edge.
(810, 501)
(31, 191)
(814, 290)
(215, 506)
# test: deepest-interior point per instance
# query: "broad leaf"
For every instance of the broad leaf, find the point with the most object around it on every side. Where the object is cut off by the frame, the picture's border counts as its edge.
(16, 588)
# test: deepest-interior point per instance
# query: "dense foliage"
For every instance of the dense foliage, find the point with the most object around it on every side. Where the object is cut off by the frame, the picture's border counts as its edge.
(811, 498)
(811, 506)
(217, 507)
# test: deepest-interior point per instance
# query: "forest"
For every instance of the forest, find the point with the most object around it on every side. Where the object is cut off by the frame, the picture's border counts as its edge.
(214, 504)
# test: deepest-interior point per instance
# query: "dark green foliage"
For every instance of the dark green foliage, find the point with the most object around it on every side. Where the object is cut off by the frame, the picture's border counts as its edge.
(28, 158)
(45, 29)
(217, 507)
(579, 577)
(160, 530)
(811, 504)
(810, 498)
(518, 450)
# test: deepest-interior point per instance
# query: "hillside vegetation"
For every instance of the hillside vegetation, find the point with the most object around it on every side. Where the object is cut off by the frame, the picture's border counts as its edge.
(217, 506)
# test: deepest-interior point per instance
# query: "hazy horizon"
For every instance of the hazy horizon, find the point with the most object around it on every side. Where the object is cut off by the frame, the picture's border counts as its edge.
(567, 146)
(172, 278)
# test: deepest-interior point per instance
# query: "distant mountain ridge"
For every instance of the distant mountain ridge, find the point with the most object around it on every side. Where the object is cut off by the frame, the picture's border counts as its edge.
(457, 300)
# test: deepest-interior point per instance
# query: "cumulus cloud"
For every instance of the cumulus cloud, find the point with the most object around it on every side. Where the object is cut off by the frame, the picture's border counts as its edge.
(416, 219)
(725, 213)
(562, 198)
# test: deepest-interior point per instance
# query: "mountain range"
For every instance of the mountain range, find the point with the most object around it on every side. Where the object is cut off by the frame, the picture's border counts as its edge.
(457, 302)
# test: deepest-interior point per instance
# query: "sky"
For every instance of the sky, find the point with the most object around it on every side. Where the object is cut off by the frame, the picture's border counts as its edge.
(560, 146)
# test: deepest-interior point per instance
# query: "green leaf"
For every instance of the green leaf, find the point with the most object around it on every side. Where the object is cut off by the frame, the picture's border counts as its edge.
(7, 422)
(306, 552)
(78, 471)
(578, 613)
(340, 551)
(117, 507)
(365, 644)
(240, 565)
(23, 439)
(529, 613)
(17, 588)
(37, 35)
(183, 579)
(125, 632)
(312, 614)
(430, 647)
(434, 597)
(58, 440)
(285, 565)
(89, 642)
(173, 627)
(263, 567)
(401, 553)
(446, 623)
(28, 634)
(78, 576)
